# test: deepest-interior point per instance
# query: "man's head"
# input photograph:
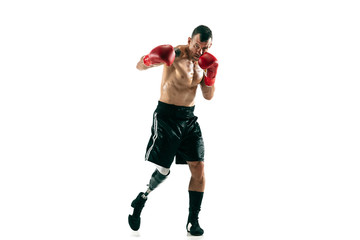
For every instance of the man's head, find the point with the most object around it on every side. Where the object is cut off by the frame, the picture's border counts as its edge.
(200, 41)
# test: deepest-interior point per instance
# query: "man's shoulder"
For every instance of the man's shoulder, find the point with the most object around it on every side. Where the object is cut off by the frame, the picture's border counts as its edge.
(180, 50)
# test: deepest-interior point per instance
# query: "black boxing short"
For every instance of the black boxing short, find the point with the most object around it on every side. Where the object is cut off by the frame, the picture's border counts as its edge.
(175, 133)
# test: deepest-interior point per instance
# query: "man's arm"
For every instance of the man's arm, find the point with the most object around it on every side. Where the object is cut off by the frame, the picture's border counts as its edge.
(210, 64)
(207, 91)
(141, 66)
(159, 55)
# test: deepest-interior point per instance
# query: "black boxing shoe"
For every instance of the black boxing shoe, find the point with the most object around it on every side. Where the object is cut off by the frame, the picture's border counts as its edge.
(193, 226)
(138, 204)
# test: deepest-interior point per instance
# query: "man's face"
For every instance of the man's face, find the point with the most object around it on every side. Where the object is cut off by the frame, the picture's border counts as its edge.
(198, 48)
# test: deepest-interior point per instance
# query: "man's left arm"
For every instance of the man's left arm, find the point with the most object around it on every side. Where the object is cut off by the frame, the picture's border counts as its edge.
(210, 64)
(207, 91)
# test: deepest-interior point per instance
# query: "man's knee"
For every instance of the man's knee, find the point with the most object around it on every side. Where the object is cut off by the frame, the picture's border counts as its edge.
(196, 166)
(163, 170)
(197, 171)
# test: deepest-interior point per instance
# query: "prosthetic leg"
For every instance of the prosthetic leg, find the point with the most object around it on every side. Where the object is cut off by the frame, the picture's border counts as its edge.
(139, 202)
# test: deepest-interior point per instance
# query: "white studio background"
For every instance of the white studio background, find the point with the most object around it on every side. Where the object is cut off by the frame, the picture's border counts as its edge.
(281, 134)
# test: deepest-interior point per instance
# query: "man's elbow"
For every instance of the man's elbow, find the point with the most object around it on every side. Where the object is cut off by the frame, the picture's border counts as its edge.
(208, 96)
(208, 92)
(140, 66)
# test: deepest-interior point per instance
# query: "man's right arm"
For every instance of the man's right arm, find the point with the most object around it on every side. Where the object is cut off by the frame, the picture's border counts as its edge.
(141, 66)
(159, 55)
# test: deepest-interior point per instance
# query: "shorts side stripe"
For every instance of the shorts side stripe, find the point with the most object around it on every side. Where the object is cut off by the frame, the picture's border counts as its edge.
(154, 138)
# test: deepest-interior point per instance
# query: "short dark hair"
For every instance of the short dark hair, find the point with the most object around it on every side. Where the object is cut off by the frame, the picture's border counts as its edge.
(205, 33)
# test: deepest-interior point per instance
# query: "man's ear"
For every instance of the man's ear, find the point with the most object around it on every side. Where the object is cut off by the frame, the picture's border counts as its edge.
(189, 40)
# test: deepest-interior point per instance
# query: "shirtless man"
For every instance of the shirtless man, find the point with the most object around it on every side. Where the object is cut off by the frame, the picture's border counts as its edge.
(175, 131)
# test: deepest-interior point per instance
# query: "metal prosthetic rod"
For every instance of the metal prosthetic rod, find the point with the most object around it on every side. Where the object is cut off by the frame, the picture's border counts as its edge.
(156, 179)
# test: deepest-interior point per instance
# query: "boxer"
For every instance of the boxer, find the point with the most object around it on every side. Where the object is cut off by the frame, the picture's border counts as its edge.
(175, 132)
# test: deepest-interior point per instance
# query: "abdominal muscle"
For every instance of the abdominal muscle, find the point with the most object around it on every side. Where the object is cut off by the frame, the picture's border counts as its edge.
(180, 82)
(172, 94)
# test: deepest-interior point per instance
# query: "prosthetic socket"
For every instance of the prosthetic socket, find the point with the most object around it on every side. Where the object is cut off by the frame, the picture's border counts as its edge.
(156, 179)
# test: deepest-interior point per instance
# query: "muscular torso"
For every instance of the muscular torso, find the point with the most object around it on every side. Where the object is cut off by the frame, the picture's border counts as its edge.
(180, 80)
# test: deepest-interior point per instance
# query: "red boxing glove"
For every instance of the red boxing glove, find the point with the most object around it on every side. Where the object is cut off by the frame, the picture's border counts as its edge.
(210, 64)
(160, 54)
